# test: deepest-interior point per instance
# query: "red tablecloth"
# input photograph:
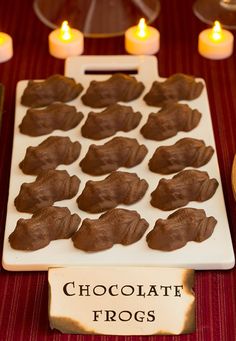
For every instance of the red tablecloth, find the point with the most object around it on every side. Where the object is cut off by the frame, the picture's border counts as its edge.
(24, 296)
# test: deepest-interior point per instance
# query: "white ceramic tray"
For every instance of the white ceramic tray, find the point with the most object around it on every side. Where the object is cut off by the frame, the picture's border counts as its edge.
(214, 253)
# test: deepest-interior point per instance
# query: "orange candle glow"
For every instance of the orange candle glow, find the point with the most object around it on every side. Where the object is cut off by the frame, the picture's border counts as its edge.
(6, 47)
(142, 39)
(65, 42)
(215, 42)
(142, 28)
(216, 32)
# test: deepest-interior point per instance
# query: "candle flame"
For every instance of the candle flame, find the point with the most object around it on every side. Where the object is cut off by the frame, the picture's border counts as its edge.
(142, 28)
(1, 40)
(65, 31)
(216, 30)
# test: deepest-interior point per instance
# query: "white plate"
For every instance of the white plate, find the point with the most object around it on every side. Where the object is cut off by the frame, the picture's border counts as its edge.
(214, 253)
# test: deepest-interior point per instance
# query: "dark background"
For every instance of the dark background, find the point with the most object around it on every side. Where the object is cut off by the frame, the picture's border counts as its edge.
(24, 296)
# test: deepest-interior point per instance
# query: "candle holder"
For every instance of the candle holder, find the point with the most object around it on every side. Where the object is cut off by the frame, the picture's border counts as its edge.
(96, 18)
(215, 43)
(210, 10)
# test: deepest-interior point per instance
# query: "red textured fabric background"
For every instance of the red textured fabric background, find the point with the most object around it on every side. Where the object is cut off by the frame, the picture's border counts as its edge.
(24, 296)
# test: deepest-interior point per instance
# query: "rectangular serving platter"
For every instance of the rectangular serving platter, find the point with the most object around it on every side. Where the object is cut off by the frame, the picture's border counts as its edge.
(214, 253)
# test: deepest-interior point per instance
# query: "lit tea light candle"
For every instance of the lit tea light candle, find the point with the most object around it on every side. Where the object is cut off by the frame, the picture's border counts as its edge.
(65, 42)
(215, 42)
(6, 47)
(142, 39)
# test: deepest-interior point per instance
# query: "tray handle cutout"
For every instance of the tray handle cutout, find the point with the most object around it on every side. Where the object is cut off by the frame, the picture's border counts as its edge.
(88, 66)
(110, 72)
